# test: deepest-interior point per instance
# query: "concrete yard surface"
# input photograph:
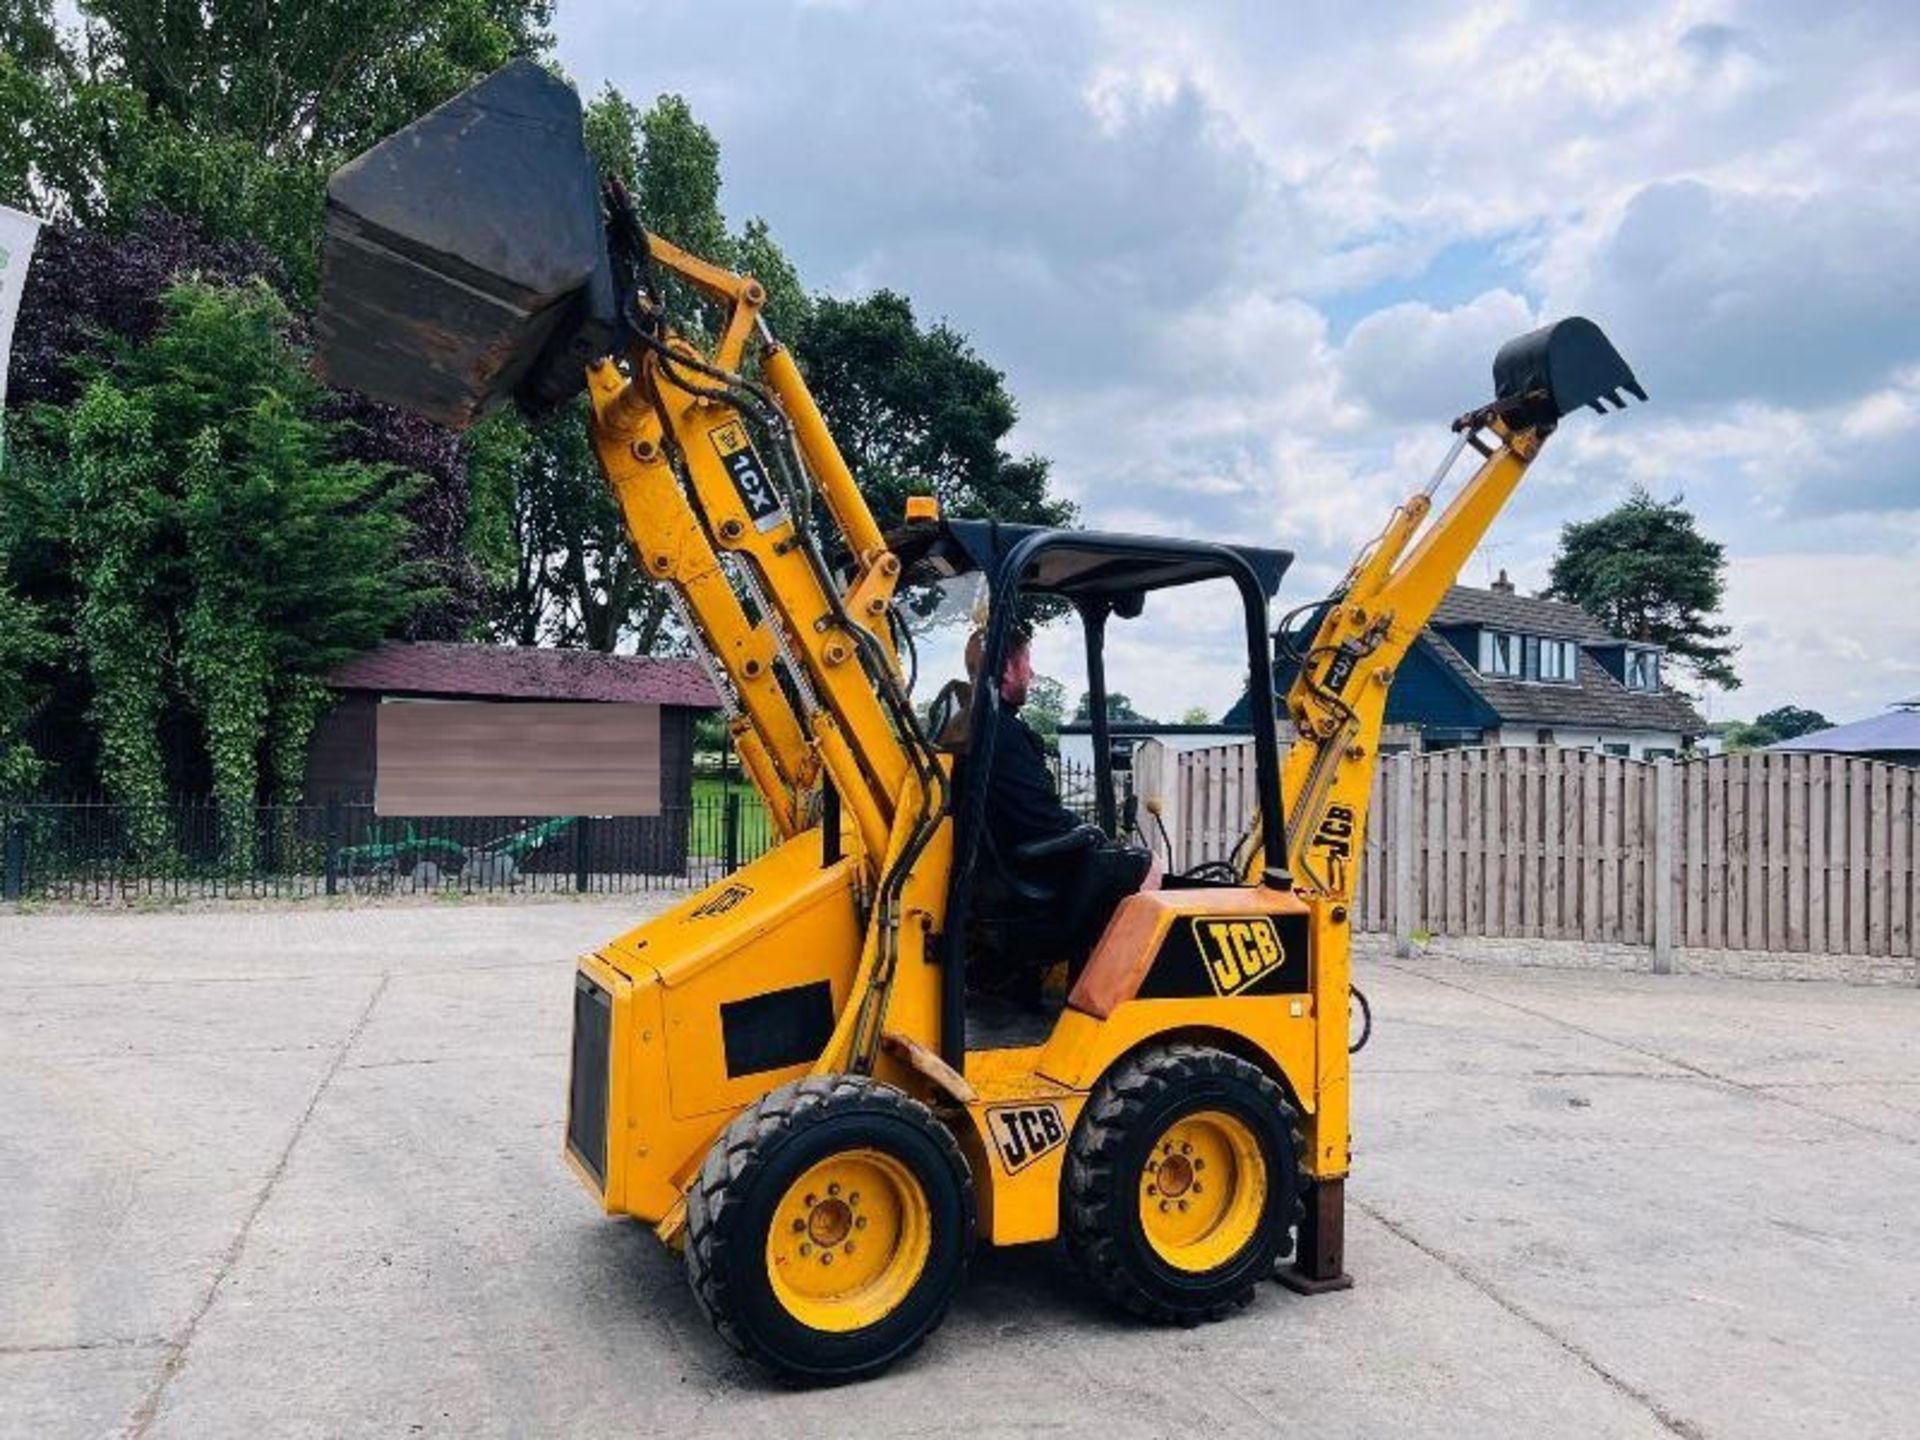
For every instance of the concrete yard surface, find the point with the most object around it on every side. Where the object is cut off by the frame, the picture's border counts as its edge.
(297, 1172)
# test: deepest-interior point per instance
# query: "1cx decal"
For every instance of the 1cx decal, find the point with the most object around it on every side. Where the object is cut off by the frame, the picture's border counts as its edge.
(749, 475)
(1238, 950)
(1023, 1133)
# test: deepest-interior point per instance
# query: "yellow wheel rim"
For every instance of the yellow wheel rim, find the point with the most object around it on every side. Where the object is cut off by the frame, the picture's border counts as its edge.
(1203, 1191)
(849, 1239)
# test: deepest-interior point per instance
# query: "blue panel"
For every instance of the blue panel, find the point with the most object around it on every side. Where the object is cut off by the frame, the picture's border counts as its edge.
(1428, 692)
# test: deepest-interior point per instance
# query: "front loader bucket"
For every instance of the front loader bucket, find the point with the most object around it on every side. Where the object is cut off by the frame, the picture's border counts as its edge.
(465, 258)
(1549, 373)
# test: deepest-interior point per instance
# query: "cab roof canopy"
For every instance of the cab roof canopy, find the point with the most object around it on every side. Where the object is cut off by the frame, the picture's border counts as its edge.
(1088, 565)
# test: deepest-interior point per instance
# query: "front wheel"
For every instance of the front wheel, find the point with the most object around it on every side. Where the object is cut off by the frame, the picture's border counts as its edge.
(1183, 1181)
(829, 1228)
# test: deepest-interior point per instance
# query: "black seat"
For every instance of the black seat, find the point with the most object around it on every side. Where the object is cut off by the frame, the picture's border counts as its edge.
(1031, 912)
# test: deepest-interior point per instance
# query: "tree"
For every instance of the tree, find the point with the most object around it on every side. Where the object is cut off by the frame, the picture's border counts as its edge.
(1045, 709)
(27, 646)
(1787, 721)
(916, 411)
(1741, 735)
(231, 114)
(1120, 710)
(1645, 572)
(222, 559)
(1195, 715)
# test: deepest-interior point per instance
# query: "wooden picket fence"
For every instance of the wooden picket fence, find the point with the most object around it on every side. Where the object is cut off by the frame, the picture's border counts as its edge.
(1766, 851)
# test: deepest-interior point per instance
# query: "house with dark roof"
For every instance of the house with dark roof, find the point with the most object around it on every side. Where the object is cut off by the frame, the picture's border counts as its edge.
(1494, 667)
(1893, 737)
(438, 729)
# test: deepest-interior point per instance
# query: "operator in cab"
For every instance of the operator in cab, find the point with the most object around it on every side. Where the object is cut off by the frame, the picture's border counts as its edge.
(1023, 806)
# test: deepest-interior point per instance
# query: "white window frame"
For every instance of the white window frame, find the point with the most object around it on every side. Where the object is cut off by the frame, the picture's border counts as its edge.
(1492, 642)
(1632, 673)
(1568, 655)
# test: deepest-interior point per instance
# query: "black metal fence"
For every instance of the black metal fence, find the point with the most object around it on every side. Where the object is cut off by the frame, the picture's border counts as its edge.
(95, 851)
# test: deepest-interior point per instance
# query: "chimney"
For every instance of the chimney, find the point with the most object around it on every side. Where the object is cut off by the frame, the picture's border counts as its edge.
(1502, 586)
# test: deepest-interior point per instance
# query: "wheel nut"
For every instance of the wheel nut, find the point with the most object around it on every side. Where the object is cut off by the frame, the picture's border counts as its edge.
(853, 1198)
(859, 1222)
(1199, 1164)
(1165, 1205)
(826, 1257)
(849, 1247)
(812, 1200)
(1153, 1189)
(834, 1189)
(1197, 1187)
(1185, 1149)
(805, 1249)
(798, 1226)
(1183, 1207)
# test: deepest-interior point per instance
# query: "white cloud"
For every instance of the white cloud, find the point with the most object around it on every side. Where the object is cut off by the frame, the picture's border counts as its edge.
(1242, 262)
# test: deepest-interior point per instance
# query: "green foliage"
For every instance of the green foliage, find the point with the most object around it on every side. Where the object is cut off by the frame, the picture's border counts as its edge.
(1742, 735)
(679, 180)
(218, 555)
(916, 411)
(1646, 573)
(1784, 722)
(232, 114)
(1046, 709)
(27, 646)
(1119, 709)
(611, 125)
(1788, 721)
(1195, 715)
(575, 580)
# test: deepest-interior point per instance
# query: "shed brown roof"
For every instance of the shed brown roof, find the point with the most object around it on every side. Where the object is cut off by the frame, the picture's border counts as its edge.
(520, 672)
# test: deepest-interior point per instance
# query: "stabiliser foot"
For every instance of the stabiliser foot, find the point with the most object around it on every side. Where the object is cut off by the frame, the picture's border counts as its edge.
(1320, 1252)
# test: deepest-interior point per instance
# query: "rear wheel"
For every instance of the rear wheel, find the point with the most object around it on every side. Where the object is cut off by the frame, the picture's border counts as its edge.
(829, 1228)
(1183, 1181)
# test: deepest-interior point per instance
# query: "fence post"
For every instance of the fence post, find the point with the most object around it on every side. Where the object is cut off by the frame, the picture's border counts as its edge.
(333, 844)
(730, 832)
(1156, 778)
(1662, 867)
(581, 879)
(13, 884)
(1403, 842)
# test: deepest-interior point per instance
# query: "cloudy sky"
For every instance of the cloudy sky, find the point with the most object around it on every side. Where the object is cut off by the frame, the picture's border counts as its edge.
(1242, 262)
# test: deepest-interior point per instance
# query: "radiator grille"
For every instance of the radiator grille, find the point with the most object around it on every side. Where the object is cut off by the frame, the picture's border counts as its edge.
(587, 1092)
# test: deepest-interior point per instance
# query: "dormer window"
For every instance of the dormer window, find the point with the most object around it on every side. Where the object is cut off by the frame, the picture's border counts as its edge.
(1559, 661)
(1642, 670)
(1500, 654)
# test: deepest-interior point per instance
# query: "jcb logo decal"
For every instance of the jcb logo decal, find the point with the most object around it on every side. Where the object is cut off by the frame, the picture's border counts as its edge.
(720, 902)
(1238, 951)
(1335, 835)
(1023, 1133)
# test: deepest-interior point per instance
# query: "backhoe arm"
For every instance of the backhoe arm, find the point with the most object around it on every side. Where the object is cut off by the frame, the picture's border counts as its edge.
(1337, 702)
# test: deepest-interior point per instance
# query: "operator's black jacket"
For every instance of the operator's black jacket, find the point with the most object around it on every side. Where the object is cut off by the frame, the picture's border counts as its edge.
(1022, 803)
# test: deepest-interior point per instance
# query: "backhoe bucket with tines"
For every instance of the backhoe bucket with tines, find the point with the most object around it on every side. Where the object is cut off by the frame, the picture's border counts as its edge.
(1548, 373)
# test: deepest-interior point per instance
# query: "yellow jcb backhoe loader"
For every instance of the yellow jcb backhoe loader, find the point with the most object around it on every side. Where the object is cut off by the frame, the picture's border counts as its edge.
(787, 1074)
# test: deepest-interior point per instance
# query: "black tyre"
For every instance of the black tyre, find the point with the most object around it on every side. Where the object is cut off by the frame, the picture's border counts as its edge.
(829, 1229)
(1183, 1182)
